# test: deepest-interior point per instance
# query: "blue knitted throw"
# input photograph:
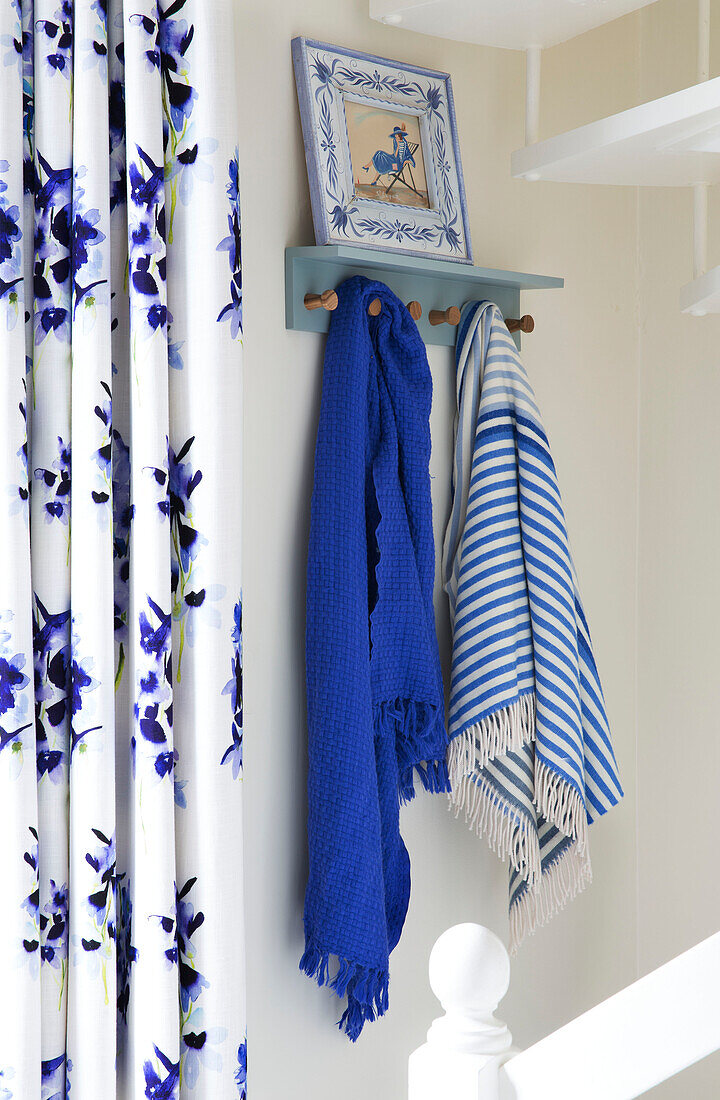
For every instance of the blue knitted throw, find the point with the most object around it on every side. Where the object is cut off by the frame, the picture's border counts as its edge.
(374, 687)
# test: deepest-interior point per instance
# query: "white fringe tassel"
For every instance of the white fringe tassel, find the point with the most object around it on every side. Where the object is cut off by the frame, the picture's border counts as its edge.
(562, 881)
(508, 834)
(486, 811)
(498, 821)
(497, 734)
(561, 805)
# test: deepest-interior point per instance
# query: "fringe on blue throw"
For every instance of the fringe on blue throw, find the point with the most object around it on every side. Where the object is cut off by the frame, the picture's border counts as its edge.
(374, 688)
(531, 756)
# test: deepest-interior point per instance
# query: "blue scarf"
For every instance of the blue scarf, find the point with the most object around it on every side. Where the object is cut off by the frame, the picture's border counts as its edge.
(531, 757)
(374, 686)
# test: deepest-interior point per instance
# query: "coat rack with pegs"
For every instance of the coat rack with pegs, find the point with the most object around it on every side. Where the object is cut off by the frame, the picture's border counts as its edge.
(425, 285)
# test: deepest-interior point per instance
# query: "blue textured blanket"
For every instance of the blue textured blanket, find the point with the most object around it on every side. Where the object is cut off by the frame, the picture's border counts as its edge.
(374, 686)
(531, 758)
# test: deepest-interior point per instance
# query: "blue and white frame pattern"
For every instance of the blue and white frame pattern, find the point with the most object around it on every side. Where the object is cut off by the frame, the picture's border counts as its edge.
(327, 74)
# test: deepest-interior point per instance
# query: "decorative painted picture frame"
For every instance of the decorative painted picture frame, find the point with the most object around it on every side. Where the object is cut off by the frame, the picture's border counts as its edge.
(382, 153)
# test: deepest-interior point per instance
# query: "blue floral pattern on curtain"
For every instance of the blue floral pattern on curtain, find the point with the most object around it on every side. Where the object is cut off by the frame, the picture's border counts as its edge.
(121, 741)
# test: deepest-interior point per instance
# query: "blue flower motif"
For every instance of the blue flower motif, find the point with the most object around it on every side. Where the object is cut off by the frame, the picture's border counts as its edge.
(54, 926)
(57, 483)
(175, 39)
(233, 311)
(241, 1071)
(10, 232)
(55, 319)
(14, 740)
(161, 1079)
(98, 944)
(13, 48)
(175, 359)
(31, 904)
(85, 236)
(147, 242)
(147, 184)
(12, 681)
(51, 645)
(180, 785)
(155, 636)
(149, 24)
(324, 74)
(127, 954)
(81, 682)
(183, 481)
(232, 245)
(431, 98)
(52, 1075)
(122, 520)
(198, 1043)
(236, 635)
(233, 185)
(189, 167)
(103, 454)
(95, 51)
(188, 596)
(55, 193)
(153, 705)
(47, 634)
(341, 218)
(6, 1074)
(451, 235)
(102, 861)
(86, 263)
(192, 981)
(118, 180)
(234, 688)
(58, 33)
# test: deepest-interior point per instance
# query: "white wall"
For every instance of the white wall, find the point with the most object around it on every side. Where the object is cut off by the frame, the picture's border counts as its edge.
(583, 359)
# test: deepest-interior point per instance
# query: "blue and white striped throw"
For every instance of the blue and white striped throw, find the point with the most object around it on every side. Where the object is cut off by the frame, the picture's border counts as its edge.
(531, 759)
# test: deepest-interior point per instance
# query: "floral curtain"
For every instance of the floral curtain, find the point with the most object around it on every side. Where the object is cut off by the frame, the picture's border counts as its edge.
(121, 918)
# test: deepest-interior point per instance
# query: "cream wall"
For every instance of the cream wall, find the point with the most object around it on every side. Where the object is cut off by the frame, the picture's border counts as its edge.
(583, 359)
(679, 591)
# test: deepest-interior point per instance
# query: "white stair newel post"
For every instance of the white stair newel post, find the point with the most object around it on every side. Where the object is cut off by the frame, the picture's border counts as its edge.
(469, 974)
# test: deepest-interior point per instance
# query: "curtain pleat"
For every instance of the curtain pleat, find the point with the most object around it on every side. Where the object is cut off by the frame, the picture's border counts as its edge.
(92, 986)
(19, 927)
(120, 599)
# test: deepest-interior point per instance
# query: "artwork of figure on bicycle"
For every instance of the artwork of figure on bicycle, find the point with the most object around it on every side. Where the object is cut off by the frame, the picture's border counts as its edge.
(386, 154)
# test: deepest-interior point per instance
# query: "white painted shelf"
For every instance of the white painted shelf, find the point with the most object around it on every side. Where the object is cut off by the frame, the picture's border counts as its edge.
(512, 24)
(669, 142)
(702, 295)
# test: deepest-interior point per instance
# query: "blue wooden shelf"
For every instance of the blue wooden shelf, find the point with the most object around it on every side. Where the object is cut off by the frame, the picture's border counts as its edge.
(436, 284)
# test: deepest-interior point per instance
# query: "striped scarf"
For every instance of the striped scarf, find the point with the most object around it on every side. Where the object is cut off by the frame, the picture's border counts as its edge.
(531, 759)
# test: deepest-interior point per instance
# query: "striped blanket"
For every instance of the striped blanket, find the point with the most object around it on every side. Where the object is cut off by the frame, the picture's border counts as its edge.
(531, 759)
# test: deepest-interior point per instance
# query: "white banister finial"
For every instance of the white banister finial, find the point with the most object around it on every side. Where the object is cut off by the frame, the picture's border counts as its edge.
(469, 974)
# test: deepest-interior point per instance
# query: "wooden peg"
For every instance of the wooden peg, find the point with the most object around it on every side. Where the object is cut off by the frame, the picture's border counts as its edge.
(327, 300)
(375, 307)
(415, 310)
(451, 316)
(522, 324)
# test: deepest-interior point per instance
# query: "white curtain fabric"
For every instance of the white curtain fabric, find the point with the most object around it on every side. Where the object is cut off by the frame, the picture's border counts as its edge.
(121, 909)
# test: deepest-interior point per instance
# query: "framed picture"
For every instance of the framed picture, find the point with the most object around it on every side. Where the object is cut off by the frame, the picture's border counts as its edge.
(382, 153)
